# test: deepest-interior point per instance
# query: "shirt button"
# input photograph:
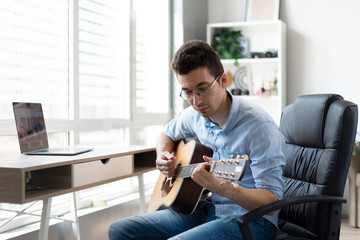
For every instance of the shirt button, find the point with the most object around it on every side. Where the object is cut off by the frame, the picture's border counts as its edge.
(215, 150)
(226, 132)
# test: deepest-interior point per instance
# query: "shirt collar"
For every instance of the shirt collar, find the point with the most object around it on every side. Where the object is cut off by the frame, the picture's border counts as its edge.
(209, 124)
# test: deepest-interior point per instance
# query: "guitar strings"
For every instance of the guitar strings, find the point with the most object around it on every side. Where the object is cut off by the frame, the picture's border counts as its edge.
(185, 170)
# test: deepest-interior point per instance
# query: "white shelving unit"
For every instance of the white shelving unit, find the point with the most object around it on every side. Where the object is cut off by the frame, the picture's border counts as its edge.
(262, 36)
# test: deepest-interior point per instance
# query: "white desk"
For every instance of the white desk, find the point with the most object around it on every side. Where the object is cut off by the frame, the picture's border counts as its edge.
(67, 174)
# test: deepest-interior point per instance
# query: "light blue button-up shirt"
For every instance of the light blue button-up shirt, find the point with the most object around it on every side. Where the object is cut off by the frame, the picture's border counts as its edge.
(249, 130)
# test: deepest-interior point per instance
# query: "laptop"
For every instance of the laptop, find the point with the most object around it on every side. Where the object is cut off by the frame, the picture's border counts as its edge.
(31, 131)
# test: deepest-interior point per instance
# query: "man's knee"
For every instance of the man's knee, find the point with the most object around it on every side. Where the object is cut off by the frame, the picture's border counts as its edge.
(115, 231)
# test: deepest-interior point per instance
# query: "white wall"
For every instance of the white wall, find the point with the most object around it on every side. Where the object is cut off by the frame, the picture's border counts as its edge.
(323, 50)
(226, 11)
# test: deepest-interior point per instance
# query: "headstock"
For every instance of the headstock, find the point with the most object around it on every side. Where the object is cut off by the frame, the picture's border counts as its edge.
(231, 168)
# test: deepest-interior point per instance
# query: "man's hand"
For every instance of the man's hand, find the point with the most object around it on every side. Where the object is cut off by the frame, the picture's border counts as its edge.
(205, 179)
(247, 198)
(165, 162)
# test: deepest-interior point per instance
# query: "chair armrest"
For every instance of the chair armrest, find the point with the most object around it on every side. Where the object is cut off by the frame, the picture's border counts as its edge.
(244, 220)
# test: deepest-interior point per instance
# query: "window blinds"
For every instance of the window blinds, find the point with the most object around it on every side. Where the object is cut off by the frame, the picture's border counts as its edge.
(34, 55)
(152, 53)
(104, 43)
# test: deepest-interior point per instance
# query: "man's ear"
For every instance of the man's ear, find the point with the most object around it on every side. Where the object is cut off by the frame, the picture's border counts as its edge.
(223, 80)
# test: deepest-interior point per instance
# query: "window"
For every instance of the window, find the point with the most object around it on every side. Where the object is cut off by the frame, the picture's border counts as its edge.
(104, 66)
(34, 55)
(99, 68)
(151, 62)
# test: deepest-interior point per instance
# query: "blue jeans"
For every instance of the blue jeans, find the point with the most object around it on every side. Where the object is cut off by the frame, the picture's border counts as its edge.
(202, 224)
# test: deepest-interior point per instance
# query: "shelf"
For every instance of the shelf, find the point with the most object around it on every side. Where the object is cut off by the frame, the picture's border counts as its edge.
(34, 195)
(141, 170)
(144, 161)
(245, 24)
(250, 60)
(262, 36)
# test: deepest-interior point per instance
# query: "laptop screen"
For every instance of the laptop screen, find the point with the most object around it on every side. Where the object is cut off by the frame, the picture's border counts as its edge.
(30, 125)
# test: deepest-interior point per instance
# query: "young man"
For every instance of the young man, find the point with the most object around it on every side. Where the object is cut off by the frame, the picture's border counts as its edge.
(228, 125)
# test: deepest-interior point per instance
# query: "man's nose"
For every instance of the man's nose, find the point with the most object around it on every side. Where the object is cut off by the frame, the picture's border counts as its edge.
(196, 99)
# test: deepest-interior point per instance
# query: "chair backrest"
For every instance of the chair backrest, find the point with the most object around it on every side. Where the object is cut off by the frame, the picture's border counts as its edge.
(319, 131)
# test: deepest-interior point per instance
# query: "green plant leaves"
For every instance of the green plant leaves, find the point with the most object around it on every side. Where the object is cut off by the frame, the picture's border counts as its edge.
(226, 44)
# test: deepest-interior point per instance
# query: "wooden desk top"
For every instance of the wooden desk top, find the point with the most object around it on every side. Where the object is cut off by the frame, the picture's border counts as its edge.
(31, 162)
(63, 174)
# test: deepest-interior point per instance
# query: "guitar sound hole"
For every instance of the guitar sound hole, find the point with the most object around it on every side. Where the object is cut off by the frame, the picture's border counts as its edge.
(167, 188)
(170, 182)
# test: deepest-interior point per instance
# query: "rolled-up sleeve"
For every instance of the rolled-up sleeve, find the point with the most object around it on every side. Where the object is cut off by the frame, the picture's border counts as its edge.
(181, 127)
(267, 158)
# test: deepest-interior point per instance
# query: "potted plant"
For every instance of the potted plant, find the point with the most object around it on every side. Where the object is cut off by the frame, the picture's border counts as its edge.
(226, 43)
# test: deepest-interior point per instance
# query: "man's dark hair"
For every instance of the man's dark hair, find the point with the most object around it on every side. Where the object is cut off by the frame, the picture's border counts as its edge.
(194, 54)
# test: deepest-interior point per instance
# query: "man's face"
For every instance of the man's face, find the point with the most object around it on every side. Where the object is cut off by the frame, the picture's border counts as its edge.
(201, 81)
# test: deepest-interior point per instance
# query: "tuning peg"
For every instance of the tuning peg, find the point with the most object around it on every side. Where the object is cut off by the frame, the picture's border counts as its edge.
(231, 156)
(232, 174)
(236, 162)
(244, 156)
(229, 161)
(238, 156)
(222, 161)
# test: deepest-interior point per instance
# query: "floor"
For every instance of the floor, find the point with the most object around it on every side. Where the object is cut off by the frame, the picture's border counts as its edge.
(347, 232)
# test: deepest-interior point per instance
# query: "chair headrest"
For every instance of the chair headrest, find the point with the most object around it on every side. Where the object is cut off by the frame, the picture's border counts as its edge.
(308, 114)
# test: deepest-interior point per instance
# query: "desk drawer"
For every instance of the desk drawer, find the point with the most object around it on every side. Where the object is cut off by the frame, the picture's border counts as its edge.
(96, 171)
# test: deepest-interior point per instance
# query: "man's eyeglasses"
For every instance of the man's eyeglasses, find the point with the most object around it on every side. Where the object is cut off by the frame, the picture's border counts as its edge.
(188, 95)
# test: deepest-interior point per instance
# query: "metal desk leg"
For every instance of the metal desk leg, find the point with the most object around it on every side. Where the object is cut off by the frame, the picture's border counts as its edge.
(142, 194)
(45, 218)
(75, 219)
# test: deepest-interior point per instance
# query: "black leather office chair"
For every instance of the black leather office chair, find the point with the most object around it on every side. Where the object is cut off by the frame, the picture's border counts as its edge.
(319, 132)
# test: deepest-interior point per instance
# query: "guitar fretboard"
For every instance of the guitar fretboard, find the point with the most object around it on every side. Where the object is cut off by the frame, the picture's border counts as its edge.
(231, 169)
(185, 171)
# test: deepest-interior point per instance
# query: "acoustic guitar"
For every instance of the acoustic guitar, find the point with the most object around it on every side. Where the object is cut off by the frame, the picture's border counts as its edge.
(180, 192)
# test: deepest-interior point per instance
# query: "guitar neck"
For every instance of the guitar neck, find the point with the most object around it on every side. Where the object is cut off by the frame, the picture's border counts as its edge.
(231, 169)
(185, 171)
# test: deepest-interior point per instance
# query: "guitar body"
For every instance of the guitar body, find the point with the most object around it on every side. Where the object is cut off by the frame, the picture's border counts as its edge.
(180, 194)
